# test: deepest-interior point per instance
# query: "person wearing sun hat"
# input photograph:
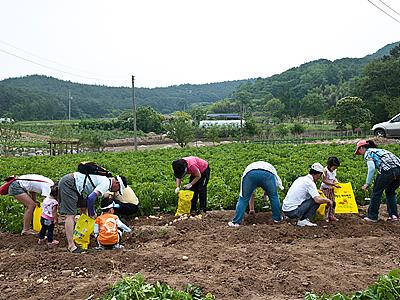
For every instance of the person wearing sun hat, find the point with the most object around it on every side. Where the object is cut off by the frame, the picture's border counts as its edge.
(199, 172)
(303, 199)
(108, 227)
(77, 190)
(388, 178)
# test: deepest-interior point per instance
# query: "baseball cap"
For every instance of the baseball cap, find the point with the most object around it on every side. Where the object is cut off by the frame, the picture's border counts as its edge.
(317, 167)
(359, 145)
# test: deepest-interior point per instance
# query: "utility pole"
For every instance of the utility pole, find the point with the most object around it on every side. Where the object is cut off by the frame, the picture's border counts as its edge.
(134, 113)
(69, 104)
(241, 119)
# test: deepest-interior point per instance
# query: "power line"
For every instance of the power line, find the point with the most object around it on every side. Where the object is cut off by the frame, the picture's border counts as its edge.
(55, 69)
(384, 11)
(389, 7)
(52, 61)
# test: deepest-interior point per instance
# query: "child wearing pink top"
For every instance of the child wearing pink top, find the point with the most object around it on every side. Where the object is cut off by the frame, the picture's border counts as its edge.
(199, 171)
(49, 217)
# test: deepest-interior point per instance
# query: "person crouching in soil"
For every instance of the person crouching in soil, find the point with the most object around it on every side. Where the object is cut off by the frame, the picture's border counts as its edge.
(302, 199)
(199, 171)
(106, 228)
(128, 202)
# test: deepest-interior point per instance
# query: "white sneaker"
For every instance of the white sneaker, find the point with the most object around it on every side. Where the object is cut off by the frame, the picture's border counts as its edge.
(230, 224)
(370, 220)
(305, 222)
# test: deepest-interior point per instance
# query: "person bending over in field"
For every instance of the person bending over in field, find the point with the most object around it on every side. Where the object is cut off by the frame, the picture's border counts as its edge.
(388, 178)
(199, 171)
(24, 188)
(258, 174)
(302, 199)
(106, 228)
(75, 191)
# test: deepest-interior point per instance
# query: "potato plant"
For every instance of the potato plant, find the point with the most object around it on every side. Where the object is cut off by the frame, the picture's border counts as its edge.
(150, 173)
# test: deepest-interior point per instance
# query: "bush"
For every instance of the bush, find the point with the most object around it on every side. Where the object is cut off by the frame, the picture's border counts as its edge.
(135, 288)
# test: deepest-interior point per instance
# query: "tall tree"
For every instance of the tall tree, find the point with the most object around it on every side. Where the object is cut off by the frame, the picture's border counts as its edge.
(351, 111)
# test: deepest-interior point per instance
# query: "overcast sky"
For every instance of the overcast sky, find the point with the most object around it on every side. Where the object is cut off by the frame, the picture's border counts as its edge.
(172, 42)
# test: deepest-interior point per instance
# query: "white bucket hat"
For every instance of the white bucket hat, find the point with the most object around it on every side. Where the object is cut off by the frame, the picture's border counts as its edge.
(317, 167)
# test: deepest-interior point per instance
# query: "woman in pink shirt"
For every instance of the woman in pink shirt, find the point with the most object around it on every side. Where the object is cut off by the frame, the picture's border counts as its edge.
(199, 171)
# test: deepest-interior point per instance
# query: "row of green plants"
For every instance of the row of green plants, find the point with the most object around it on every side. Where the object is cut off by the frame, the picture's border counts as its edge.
(387, 287)
(135, 288)
(150, 173)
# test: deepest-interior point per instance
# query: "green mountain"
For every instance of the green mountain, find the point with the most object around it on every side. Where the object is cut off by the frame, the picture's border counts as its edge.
(322, 81)
(40, 97)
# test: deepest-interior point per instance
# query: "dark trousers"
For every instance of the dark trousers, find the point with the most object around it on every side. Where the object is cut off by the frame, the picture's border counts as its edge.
(48, 226)
(387, 181)
(200, 190)
(306, 210)
(125, 209)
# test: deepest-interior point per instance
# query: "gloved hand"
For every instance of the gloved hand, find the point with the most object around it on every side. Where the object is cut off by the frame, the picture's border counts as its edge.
(188, 186)
(177, 190)
(128, 230)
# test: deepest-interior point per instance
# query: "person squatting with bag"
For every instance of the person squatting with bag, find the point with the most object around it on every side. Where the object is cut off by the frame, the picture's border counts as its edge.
(388, 178)
(302, 199)
(49, 218)
(258, 174)
(106, 228)
(199, 171)
(24, 188)
(81, 190)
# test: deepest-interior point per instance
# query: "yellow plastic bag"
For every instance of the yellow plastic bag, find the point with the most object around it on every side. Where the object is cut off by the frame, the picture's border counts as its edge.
(320, 214)
(83, 229)
(36, 217)
(345, 200)
(184, 202)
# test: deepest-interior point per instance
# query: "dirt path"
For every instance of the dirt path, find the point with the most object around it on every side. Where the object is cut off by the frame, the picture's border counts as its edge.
(264, 261)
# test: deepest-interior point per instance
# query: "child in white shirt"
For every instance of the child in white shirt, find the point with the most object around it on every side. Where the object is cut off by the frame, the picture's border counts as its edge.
(329, 182)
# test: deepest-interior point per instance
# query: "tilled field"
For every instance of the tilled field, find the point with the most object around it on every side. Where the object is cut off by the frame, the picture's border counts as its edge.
(260, 260)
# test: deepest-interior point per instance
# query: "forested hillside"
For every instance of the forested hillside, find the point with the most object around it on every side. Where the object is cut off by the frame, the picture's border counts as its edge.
(312, 88)
(39, 97)
(308, 90)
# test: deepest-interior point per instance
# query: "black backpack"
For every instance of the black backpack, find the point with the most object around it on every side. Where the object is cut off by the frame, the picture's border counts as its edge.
(91, 168)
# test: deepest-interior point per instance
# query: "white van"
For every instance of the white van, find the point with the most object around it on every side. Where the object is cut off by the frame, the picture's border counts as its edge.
(389, 128)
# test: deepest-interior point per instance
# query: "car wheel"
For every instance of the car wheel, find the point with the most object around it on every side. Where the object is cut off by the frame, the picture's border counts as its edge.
(380, 133)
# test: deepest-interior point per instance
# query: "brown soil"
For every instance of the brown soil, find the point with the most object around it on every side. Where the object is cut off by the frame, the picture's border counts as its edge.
(261, 261)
